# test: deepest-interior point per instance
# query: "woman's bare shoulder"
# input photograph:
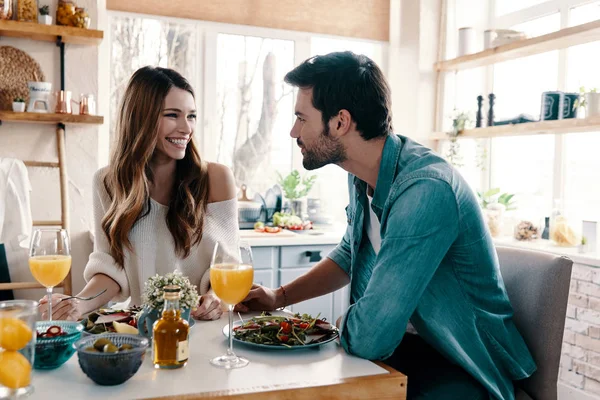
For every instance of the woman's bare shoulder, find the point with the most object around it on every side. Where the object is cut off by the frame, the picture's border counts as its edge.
(221, 183)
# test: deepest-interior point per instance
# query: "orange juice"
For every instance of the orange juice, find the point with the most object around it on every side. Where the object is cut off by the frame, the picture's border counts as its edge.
(50, 270)
(231, 282)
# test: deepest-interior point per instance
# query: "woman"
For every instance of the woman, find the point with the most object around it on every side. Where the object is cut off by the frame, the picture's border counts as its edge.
(157, 207)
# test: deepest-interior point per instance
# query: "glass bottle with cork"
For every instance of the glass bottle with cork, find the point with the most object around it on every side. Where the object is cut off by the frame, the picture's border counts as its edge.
(170, 347)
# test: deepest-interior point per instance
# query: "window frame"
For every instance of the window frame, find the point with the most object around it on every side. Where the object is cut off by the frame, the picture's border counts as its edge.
(522, 16)
(205, 80)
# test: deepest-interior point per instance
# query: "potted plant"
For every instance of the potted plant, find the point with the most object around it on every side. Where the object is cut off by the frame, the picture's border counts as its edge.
(153, 302)
(461, 120)
(295, 189)
(588, 103)
(18, 105)
(44, 15)
(583, 246)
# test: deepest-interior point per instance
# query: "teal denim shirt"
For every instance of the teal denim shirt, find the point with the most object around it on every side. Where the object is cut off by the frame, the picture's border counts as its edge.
(437, 267)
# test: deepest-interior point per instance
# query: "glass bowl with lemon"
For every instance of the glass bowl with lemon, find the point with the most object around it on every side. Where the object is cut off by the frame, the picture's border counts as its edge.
(54, 344)
(17, 341)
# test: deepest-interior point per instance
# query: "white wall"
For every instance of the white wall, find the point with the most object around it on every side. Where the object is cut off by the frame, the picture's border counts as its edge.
(37, 142)
(414, 32)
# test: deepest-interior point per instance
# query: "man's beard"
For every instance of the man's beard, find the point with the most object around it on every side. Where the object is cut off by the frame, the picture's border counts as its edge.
(326, 150)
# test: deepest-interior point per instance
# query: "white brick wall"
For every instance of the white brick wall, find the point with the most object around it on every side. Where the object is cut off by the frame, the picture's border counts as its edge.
(580, 362)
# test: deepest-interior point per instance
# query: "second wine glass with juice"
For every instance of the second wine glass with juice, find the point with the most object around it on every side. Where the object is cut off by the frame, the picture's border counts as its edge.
(231, 277)
(50, 259)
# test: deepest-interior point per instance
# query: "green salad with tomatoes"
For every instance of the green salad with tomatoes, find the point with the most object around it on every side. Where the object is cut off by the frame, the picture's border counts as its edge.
(296, 330)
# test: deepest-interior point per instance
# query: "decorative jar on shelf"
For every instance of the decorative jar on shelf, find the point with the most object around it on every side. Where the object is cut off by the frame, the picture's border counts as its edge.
(65, 12)
(81, 18)
(6, 9)
(27, 10)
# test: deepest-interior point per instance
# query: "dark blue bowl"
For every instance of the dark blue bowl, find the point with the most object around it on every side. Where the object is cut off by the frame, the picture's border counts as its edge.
(111, 368)
(53, 352)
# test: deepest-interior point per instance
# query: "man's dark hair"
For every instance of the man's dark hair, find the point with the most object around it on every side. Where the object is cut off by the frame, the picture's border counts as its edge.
(346, 81)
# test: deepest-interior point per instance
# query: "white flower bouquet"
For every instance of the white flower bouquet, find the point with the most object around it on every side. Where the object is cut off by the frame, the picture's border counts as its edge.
(152, 296)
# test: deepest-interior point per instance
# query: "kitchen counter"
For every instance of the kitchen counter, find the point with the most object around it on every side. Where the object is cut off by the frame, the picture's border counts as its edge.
(320, 236)
(313, 373)
(293, 238)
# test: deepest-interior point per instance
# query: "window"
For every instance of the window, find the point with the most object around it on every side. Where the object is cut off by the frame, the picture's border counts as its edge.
(136, 42)
(332, 183)
(538, 169)
(581, 195)
(247, 111)
(524, 165)
(255, 108)
(508, 6)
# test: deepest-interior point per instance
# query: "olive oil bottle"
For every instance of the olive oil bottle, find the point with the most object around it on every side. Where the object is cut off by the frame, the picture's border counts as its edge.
(170, 347)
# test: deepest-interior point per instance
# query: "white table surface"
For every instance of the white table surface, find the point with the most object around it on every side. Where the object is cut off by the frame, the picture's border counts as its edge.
(310, 367)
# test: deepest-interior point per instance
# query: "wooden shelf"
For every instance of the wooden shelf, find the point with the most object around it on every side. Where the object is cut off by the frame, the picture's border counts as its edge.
(561, 39)
(50, 33)
(527, 129)
(42, 118)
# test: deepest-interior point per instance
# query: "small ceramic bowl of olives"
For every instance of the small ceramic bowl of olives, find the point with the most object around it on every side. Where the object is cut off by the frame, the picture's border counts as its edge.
(111, 358)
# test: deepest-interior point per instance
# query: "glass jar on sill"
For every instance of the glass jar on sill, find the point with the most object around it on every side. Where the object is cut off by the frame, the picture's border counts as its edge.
(6, 9)
(526, 231)
(494, 217)
(65, 12)
(27, 10)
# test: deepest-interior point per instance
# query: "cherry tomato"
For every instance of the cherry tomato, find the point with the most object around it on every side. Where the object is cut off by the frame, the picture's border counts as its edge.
(286, 327)
(284, 338)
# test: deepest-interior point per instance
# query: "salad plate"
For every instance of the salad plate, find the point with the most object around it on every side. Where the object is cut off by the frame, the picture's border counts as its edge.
(283, 332)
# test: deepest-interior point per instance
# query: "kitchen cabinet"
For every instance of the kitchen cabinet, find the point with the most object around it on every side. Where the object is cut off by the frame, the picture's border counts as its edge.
(278, 265)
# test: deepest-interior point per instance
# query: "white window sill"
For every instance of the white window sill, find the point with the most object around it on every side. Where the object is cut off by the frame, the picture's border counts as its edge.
(591, 259)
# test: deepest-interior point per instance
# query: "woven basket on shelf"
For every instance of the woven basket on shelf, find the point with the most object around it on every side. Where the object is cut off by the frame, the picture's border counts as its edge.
(16, 69)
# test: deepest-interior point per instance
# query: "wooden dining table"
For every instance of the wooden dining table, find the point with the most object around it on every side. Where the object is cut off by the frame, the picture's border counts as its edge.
(323, 372)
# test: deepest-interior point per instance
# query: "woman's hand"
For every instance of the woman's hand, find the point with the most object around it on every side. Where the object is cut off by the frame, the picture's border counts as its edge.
(68, 310)
(209, 308)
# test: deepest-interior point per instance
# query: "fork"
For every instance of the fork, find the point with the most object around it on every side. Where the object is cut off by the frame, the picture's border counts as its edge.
(83, 298)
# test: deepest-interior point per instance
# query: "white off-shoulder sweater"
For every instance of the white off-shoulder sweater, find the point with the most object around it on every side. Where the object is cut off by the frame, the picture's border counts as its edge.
(153, 246)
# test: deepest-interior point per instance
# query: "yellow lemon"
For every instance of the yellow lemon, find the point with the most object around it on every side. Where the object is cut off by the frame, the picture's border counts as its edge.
(124, 328)
(15, 370)
(14, 334)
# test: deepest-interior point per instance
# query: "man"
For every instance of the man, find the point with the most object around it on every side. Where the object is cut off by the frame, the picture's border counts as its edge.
(416, 251)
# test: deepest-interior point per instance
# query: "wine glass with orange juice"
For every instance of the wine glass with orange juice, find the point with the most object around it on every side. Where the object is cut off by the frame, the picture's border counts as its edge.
(50, 259)
(231, 277)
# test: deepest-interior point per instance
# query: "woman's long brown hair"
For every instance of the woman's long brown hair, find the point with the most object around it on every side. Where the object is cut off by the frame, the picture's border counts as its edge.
(128, 176)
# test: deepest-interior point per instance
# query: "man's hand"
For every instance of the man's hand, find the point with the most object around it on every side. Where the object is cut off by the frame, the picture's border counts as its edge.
(260, 298)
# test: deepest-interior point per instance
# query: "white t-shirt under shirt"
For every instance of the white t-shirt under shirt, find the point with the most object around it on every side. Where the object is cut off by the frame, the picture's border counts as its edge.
(154, 249)
(373, 228)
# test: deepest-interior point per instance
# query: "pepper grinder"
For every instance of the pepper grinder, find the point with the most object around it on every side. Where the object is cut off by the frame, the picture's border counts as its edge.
(479, 116)
(492, 98)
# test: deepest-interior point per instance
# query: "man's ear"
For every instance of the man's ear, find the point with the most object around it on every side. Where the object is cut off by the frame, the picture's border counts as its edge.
(342, 123)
